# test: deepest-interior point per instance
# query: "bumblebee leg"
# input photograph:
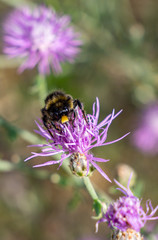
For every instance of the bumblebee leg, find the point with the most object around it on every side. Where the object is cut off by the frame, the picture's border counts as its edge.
(79, 104)
(46, 124)
(49, 131)
(74, 116)
(53, 124)
(46, 121)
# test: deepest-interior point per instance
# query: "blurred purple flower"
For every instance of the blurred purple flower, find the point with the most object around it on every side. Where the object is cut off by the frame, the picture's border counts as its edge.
(79, 137)
(127, 212)
(151, 237)
(145, 137)
(40, 37)
(151, 231)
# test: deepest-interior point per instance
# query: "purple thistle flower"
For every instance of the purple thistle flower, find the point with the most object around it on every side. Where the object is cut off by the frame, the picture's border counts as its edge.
(40, 37)
(79, 137)
(145, 137)
(127, 212)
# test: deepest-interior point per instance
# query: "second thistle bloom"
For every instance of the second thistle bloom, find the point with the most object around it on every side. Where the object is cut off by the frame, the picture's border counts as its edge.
(127, 212)
(40, 37)
(75, 140)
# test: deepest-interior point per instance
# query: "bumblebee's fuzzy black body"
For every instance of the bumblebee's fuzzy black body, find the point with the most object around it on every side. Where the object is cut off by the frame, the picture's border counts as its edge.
(59, 107)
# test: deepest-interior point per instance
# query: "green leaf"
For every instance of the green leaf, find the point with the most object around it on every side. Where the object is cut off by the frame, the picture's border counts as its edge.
(97, 206)
(13, 132)
(10, 129)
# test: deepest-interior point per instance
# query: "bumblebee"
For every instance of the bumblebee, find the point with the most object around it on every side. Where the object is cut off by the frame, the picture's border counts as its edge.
(59, 108)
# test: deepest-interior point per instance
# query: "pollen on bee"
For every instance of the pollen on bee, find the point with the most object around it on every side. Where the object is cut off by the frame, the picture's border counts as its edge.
(64, 119)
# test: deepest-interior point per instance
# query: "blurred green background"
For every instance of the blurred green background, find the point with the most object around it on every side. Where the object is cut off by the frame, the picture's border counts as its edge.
(119, 64)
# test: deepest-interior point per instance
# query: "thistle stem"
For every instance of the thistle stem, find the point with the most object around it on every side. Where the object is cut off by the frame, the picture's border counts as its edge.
(90, 188)
(42, 88)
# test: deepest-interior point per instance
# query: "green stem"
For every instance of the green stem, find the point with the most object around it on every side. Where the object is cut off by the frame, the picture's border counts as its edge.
(42, 88)
(90, 188)
(17, 3)
(98, 205)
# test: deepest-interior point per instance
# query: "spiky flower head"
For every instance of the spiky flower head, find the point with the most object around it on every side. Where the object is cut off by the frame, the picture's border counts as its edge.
(40, 37)
(77, 139)
(127, 212)
(78, 165)
(129, 234)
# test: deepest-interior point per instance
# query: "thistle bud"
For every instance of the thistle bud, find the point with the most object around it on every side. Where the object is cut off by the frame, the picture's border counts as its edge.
(129, 234)
(79, 165)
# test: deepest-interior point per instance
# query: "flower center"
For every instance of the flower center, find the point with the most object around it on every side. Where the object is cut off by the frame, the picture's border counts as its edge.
(42, 36)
